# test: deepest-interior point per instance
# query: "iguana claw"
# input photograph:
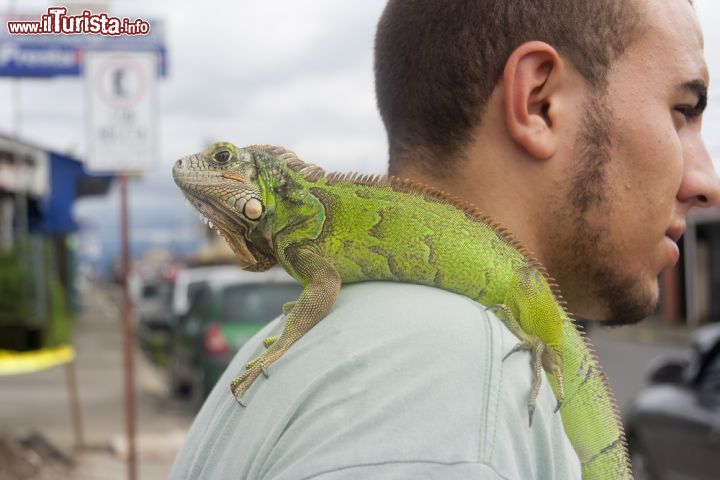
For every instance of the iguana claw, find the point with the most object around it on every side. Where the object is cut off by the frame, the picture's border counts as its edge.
(520, 346)
(531, 411)
(240, 385)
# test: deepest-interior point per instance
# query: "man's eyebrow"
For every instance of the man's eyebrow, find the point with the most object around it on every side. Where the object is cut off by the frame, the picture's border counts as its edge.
(699, 88)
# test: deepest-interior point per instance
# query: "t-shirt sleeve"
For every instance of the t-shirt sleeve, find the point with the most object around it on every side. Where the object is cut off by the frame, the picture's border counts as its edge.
(398, 381)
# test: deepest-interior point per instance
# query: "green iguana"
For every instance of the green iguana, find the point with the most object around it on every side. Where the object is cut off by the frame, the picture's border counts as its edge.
(326, 229)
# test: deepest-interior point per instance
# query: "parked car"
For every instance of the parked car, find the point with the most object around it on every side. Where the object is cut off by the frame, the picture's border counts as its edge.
(154, 316)
(163, 299)
(673, 425)
(228, 309)
(192, 280)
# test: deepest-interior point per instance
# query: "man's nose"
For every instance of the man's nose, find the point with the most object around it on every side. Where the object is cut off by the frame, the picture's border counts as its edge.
(701, 185)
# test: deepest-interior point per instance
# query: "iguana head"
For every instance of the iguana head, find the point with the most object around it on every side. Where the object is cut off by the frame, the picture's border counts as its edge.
(223, 184)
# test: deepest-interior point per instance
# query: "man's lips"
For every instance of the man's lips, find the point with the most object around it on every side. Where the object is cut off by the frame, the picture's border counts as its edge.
(675, 232)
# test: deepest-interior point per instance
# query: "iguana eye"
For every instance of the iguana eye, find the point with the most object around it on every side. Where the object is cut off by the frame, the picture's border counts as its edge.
(221, 156)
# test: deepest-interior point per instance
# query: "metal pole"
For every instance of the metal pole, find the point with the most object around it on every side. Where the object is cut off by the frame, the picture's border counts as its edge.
(75, 410)
(130, 415)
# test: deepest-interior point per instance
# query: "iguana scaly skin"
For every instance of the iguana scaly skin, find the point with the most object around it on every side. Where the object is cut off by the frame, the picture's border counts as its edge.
(328, 229)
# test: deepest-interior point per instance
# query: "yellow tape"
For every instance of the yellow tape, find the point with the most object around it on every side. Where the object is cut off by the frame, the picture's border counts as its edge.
(14, 363)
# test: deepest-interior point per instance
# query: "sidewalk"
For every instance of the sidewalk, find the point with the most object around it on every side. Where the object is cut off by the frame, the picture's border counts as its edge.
(39, 403)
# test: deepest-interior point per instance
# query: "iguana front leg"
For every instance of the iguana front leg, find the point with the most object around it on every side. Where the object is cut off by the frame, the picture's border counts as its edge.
(321, 290)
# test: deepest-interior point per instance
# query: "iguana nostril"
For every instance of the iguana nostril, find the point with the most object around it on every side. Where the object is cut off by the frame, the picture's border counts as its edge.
(178, 164)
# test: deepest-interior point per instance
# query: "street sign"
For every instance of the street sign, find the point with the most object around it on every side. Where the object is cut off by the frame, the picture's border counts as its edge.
(122, 111)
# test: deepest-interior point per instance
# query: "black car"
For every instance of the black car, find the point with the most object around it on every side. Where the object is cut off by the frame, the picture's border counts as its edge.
(673, 425)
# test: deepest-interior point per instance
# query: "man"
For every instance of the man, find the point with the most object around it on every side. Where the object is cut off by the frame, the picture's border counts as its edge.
(577, 126)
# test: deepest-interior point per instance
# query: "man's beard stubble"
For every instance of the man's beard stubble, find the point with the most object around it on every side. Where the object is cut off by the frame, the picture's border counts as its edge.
(584, 254)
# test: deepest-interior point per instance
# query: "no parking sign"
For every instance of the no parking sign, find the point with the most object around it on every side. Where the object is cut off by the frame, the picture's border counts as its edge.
(122, 111)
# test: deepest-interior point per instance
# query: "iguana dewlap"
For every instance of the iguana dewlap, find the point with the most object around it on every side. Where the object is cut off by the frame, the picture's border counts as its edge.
(328, 229)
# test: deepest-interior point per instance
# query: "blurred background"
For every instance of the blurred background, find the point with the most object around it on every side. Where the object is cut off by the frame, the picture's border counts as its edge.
(291, 73)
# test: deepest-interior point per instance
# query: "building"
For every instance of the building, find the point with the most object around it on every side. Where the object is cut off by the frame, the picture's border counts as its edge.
(37, 190)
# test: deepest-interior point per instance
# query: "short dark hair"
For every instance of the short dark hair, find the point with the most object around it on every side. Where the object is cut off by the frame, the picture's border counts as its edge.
(438, 61)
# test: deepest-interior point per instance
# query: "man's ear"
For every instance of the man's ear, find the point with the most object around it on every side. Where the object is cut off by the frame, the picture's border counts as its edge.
(530, 82)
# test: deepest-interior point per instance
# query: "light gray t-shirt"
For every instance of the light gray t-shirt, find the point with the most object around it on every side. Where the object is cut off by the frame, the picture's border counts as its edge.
(398, 381)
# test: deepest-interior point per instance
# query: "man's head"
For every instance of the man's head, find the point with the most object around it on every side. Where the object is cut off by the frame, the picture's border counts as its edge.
(438, 61)
(576, 124)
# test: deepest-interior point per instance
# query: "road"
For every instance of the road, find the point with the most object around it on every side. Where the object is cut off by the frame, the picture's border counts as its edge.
(626, 354)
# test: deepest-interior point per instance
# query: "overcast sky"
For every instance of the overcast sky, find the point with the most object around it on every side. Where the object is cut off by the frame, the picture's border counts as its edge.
(290, 72)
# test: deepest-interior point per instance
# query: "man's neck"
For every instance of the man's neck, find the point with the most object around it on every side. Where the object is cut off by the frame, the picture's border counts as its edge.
(496, 192)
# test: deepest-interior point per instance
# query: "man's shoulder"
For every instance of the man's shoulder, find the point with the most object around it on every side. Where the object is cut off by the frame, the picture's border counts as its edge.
(387, 333)
(408, 308)
(395, 374)
(411, 328)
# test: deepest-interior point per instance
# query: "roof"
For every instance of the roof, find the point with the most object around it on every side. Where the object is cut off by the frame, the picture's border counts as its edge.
(67, 180)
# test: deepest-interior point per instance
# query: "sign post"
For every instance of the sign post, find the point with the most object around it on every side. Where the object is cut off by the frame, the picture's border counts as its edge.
(127, 320)
(122, 130)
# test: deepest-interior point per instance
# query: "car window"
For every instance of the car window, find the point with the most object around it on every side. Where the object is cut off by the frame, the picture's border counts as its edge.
(257, 302)
(200, 300)
(194, 289)
(150, 290)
